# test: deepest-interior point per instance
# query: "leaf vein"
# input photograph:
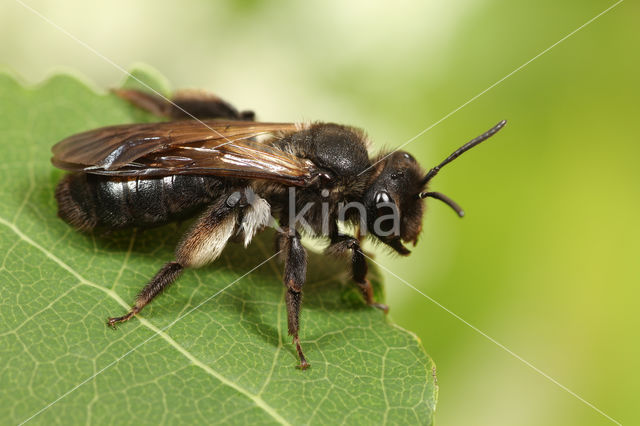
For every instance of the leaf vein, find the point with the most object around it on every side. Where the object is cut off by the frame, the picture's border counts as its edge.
(255, 398)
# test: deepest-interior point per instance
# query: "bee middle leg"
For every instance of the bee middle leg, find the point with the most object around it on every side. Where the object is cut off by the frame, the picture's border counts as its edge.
(201, 246)
(184, 105)
(295, 272)
(343, 243)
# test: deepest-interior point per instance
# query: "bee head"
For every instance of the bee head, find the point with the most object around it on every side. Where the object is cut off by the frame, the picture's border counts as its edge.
(395, 199)
(394, 211)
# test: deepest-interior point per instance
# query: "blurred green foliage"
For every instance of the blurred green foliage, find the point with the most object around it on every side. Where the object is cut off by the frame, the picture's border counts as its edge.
(546, 260)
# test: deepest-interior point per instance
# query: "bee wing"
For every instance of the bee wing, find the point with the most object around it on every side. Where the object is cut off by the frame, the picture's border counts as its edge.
(219, 148)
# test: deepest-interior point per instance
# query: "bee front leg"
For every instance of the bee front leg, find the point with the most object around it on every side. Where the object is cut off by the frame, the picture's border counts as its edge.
(295, 272)
(343, 243)
(184, 104)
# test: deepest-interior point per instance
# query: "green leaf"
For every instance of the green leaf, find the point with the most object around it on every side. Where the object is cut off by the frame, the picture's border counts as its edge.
(228, 361)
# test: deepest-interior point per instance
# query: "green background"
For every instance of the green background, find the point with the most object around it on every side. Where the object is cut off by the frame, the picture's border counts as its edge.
(546, 261)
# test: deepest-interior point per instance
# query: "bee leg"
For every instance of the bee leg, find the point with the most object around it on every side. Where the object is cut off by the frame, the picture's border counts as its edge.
(165, 277)
(295, 271)
(202, 245)
(359, 268)
(186, 104)
(360, 277)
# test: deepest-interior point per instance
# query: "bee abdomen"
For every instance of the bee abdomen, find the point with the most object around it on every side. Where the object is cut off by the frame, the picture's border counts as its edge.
(88, 201)
(75, 202)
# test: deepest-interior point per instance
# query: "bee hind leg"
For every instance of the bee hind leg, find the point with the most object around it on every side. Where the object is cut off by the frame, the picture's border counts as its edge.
(184, 105)
(165, 277)
(201, 246)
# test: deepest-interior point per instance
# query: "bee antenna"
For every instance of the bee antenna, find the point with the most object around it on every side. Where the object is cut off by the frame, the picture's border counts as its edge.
(448, 201)
(464, 148)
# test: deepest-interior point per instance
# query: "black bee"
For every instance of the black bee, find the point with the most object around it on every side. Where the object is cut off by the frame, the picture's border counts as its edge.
(239, 175)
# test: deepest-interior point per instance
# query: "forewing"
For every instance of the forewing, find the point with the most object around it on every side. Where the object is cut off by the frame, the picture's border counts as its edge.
(220, 148)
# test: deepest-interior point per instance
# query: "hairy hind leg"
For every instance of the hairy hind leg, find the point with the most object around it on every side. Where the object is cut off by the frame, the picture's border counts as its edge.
(184, 105)
(202, 245)
(163, 279)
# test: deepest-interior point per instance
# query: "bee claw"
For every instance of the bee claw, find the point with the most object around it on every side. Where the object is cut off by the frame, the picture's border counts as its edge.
(303, 361)
(112, 322)
(384, 308)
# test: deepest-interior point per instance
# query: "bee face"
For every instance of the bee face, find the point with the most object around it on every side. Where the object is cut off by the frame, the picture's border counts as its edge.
(394, 208)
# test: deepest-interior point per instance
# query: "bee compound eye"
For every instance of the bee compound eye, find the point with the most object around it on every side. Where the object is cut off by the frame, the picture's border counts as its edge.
(382, 197)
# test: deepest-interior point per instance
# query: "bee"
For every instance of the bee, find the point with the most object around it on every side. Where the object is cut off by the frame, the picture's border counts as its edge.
(239, 176)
